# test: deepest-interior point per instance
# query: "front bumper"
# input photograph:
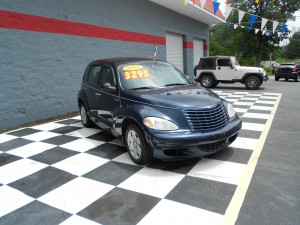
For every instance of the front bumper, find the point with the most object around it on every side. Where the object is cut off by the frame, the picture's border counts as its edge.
(265, 78)
(187, 144)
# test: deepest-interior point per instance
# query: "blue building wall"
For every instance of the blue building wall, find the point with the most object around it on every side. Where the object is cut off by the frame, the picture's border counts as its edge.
(41, 72)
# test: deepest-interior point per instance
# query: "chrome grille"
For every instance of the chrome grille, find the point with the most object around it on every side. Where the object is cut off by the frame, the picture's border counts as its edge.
(206, 119)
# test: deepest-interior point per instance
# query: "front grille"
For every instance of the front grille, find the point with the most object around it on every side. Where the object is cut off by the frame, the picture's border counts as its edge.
(206, 119)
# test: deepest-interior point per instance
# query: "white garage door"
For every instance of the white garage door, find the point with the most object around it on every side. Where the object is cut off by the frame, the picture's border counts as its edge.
(198, 50)
(174, 46)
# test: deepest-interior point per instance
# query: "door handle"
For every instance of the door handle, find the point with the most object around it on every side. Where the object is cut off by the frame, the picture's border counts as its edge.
(97, 94)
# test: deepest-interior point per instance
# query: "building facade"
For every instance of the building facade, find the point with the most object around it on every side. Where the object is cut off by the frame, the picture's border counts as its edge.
(45, 46)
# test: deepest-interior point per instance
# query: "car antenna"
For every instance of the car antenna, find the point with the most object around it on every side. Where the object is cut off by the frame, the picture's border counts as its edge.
(154, 54)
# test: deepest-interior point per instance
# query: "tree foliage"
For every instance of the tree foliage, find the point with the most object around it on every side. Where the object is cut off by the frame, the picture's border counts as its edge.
(293, 48)
(247, 46)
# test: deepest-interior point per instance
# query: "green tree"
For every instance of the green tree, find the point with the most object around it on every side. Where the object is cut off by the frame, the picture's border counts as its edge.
(293, 48)
(247, 45)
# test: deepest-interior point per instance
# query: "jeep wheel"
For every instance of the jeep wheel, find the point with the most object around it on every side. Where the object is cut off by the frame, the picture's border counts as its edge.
(207, 81)
(252, 83)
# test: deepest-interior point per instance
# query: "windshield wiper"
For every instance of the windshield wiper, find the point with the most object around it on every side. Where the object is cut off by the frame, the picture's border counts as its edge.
(175, 84)
(141, 88)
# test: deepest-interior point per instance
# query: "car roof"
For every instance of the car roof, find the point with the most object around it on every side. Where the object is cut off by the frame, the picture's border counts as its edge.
(122, 60)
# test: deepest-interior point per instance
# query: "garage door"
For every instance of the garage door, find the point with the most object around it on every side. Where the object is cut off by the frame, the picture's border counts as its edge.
(198, 50)
(174, 46)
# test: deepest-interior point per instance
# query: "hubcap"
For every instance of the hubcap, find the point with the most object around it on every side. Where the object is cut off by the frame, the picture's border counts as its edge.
(134, 144)
(252, 83)
(206, 82)
(83, 115)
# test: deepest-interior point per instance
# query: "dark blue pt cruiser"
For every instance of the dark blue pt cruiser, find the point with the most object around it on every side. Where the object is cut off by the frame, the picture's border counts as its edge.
(156, 110)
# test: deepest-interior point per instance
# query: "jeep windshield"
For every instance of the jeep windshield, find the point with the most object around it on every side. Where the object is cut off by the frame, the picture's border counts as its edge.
(150, 75)
(235, 61)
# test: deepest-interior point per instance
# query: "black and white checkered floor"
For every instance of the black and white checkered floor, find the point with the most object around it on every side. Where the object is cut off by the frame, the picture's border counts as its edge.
(62, 173)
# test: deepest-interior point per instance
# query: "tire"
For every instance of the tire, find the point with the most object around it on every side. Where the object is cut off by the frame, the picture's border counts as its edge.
(136, 145)
(276, 79)
(207, 81)
(286, 79)
(86, 121)
(297, 79)
(252, 82)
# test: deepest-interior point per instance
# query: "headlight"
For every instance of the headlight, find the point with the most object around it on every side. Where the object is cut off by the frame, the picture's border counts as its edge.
(230, 110)
(159, 123)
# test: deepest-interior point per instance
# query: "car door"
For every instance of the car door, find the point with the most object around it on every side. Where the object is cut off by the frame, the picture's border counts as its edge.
(91, 87)
(224, 69)
(108, 99)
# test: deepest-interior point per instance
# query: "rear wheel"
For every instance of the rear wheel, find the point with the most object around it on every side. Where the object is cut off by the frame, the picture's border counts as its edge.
(252, 82)
(86, 121)
(207, 81)
(276, 78)
(286, 79)
(136, 145)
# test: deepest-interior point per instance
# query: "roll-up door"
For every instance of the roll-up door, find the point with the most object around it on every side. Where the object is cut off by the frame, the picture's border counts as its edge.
(198, 50)
(174, 47)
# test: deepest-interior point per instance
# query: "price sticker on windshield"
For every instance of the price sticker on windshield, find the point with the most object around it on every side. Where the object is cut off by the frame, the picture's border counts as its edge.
(135, 71)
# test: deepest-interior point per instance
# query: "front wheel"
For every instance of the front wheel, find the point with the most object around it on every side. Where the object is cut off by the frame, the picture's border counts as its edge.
(252, 82)
(136, 145)
(207, 81)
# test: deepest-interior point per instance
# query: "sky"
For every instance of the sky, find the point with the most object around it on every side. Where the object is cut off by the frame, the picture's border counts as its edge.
(290, 23)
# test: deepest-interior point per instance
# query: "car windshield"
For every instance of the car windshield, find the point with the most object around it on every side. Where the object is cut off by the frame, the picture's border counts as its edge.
(150, 75)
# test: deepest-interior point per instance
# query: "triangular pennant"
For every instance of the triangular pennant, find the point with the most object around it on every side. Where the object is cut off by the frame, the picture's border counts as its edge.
(242, 26)
(228, 25)
(256, 31)
(235, 26)
(203, 3)
(228, 11)
(263, 23)
(263, 32)
(241, 15)
(275, 24)
(283, 27)
(216, 6)
(252, 19)
(184, 2)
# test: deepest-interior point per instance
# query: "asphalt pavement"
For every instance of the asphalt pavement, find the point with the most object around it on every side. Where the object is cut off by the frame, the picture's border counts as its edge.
(273, 196)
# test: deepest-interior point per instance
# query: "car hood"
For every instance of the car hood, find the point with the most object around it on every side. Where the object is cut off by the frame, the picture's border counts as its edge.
(183, 97)
(250, 69)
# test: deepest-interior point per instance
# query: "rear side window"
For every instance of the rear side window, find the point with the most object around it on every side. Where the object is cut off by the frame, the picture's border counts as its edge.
(93, 76)
(107, 76)
(207, 63)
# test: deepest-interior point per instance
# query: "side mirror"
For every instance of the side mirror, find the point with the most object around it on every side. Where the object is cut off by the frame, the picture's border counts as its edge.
(108, 86)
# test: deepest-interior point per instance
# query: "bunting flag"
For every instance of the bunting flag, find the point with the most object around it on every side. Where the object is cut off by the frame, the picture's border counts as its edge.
(228, 11)
(275, 24)
(256, 31)
(249, 29)
(228, 25)
(263, 23)
(263, 32)
(203, 3)
(252, 20)
(227, 2)
(235, 26)
(241, 15)
(184, 2)
(216, 6)
(283, 27)
(194, 1)
(257, 2)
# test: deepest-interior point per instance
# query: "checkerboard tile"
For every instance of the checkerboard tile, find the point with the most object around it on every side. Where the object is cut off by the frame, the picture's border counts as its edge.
(64, 173)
